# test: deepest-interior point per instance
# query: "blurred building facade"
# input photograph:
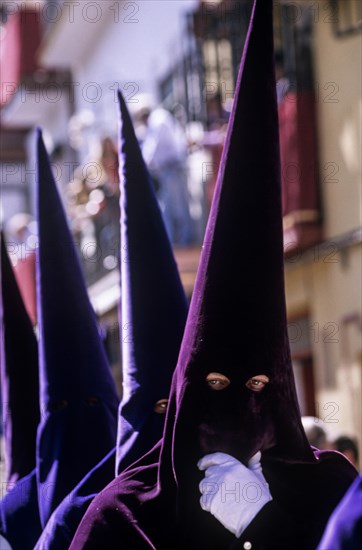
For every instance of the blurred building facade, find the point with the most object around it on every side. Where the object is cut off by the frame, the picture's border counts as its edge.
(323, 282)
(71, 59)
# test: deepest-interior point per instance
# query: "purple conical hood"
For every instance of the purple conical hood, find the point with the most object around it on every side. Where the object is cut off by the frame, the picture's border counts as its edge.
(237, 320)
(153, 302)
(19, 376)
(76, 385)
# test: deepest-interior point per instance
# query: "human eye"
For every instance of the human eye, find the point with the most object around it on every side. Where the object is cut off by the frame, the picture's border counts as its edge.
(217, 381)
(161, 406)
(257, 383)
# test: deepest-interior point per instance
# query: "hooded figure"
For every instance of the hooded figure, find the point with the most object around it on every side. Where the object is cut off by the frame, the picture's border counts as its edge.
(153, 305)
(19, 377)
(77, 390)
(19, 516)
(233, 395)
(154, 309)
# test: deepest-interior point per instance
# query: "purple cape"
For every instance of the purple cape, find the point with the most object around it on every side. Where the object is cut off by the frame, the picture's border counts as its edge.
(236, 327)
(77, 391)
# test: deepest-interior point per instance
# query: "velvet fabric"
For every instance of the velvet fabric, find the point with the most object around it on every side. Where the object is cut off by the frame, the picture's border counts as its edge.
(237, 327)
(63, 523)
(19, 515)
(154, 309)
(344, 527)
(77, 391)
(19, 377)
(134, 512)
(153, 303)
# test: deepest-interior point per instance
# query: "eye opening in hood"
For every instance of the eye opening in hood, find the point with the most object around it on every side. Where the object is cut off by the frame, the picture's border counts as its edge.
(91, 400)
(161, 406)
(217, 381)
(257, 383)
(58, 405)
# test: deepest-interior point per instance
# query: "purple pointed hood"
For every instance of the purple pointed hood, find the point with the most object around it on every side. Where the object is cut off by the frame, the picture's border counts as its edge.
(19, 376)
(77, 390)
(237, 324)
(153, 304)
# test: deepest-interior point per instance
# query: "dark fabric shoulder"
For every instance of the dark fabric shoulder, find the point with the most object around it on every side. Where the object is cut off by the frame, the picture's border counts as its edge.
(344, 528)
(304, 494)
(307, 492)
(110, 521)
(109, 528)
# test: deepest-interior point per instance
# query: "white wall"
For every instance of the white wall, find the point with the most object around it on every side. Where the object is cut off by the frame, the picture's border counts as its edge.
(131, 55)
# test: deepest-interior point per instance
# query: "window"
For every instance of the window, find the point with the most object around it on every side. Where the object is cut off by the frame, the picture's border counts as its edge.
(346, 17)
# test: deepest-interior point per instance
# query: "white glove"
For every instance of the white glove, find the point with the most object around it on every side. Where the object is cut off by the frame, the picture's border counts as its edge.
(4, 545)
(232, 492)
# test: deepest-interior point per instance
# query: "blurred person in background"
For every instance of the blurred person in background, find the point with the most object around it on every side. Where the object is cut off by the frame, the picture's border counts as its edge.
(107, 218)
(320, 437)
(349, 447)
(282, 81)
(164, 148)
(213, 141)
(93, 203)
(316, 432)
